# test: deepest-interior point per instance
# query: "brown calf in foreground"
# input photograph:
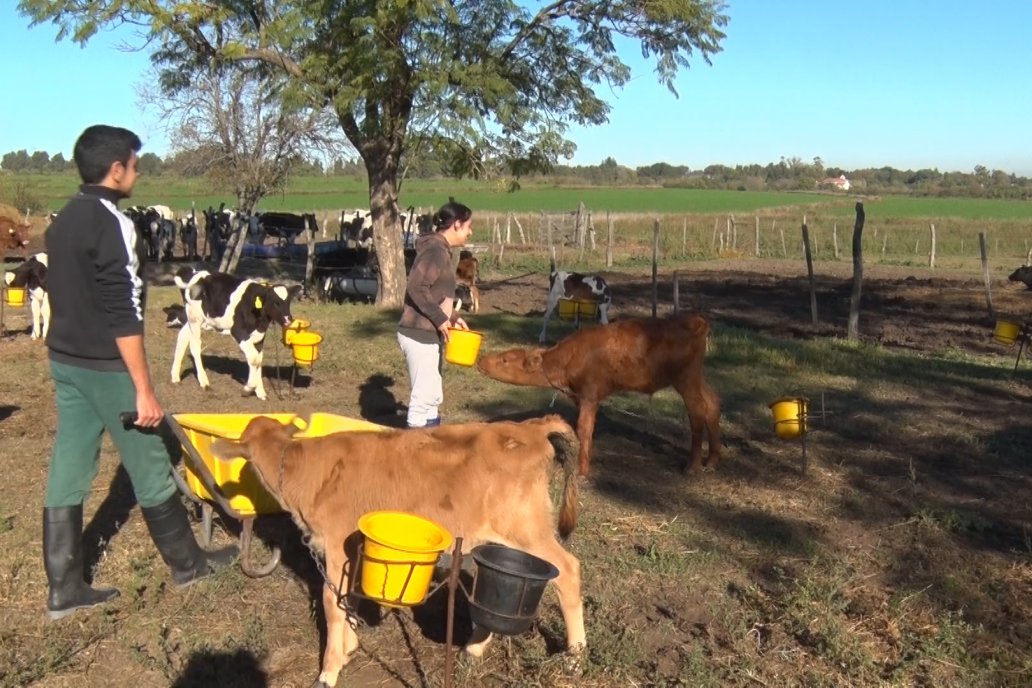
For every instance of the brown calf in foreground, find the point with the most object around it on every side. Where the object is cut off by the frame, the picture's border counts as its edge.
(484, 482)
(636, 355)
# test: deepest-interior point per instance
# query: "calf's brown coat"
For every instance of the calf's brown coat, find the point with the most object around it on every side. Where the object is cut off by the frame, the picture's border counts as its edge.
(637, 355)
(484, 482)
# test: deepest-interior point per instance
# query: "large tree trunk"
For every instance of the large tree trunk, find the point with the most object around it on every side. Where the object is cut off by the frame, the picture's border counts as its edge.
(387, 238)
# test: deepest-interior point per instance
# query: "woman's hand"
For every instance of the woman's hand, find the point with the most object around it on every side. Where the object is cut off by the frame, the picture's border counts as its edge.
(460, 324)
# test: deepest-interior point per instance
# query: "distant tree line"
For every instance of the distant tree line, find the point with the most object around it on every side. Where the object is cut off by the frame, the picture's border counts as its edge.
(788, 174)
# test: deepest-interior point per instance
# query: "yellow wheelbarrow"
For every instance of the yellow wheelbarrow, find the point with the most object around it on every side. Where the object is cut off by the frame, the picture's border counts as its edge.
(232, 485)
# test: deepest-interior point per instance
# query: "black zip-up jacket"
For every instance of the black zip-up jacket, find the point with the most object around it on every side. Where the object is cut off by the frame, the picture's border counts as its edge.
(93, 280)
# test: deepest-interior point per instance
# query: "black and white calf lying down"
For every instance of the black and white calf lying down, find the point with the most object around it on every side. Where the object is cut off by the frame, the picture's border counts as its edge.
(239, 307)
(32, 276)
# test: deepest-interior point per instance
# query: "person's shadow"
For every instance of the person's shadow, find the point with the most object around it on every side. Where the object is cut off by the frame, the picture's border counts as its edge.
(377, 403)
(219, 669)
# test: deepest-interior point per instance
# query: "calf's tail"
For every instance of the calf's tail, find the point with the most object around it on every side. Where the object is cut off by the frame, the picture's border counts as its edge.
(566, 448)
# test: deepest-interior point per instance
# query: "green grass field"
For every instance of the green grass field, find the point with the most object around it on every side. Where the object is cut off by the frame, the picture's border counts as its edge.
(335, 193)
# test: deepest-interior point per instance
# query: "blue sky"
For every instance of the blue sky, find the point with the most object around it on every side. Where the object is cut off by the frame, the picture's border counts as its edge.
(904, 83)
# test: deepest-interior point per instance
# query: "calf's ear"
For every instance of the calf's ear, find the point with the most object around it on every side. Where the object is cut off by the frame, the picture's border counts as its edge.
(228, 450)
(532, 361)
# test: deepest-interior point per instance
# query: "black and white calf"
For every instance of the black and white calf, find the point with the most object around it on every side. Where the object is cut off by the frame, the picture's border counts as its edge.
(175, 315)
(1024, 275)
(574, 285)
(32, 275)
(239, 307)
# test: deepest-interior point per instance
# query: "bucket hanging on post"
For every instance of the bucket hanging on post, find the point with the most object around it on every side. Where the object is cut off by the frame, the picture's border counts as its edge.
(789, 417)
(587, 310)
(1006, 332)
(297, 326)
(398, 557)
(14, 296)
(567, 309)
(306, 347)
(507, 588)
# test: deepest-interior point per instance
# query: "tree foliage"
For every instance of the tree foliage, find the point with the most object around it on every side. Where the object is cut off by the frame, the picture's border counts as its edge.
(480, 83)
(232, 125)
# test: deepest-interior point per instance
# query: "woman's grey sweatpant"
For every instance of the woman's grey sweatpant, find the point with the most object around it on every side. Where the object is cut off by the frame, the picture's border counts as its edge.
(424, 369)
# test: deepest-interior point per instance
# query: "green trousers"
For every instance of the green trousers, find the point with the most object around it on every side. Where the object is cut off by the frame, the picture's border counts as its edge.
(89, 402)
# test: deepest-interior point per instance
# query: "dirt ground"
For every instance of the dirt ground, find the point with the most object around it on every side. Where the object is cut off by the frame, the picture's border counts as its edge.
(681, 622)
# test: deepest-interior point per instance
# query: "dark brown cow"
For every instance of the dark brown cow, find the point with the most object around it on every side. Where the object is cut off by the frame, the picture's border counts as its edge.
(484, 482)
(466, 275)
(637, 355)
(15, 235)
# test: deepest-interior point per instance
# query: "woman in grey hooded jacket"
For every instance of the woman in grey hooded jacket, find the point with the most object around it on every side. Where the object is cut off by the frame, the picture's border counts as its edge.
(427, 315)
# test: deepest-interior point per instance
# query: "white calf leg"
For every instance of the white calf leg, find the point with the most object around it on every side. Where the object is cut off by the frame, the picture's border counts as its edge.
(34, 306)
(254, 369)
(177, 358)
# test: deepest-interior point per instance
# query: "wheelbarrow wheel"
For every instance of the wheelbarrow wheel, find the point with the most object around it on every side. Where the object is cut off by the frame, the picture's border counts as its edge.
(246, 536)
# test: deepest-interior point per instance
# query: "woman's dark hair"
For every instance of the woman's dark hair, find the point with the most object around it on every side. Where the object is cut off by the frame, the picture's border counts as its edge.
(99, 146)
(450, 213)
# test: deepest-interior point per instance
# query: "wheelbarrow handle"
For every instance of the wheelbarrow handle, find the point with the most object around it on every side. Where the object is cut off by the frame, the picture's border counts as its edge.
(196, 461)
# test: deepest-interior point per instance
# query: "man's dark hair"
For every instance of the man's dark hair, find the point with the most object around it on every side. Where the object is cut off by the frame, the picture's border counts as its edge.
(99, 146)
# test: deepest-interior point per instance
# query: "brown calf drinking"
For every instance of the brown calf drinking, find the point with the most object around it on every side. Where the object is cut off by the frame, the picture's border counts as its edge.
(636, 355)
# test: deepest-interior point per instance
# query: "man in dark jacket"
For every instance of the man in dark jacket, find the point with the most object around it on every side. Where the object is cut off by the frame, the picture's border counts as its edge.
(99, 367)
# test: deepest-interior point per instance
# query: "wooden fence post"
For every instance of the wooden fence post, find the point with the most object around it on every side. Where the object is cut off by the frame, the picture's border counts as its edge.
(809, 272)
(609, 241)
(655, 265)
(548, 226)
(684, 238)
(757, 236)
(985, 274)
(834, 240)
(931, 251)
(523, 237)
(853, 325)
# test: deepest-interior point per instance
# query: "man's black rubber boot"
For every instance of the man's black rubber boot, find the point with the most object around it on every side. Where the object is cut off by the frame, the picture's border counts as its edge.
(169, 527)
(62, 558)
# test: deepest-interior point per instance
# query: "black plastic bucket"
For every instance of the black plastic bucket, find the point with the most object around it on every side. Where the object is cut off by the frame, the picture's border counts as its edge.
(507, 588)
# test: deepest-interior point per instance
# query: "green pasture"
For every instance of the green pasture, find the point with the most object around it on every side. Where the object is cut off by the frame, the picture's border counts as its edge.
(335, 193)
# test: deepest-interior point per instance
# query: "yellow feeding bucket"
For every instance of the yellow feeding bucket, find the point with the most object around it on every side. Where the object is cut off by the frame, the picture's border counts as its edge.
(587, 309)
(567, 309)
(1006, 332)
(298, 325)
(463, 347)
(577, 309)
(399, 554)
(789, 417)
(306, 347)
(14, 296)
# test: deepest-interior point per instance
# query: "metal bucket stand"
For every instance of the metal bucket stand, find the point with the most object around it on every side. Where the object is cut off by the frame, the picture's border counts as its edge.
(452, 583)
